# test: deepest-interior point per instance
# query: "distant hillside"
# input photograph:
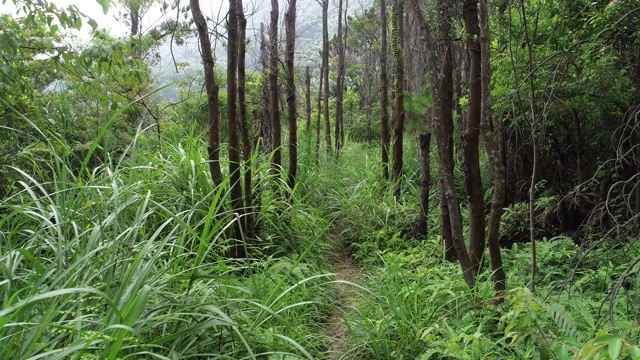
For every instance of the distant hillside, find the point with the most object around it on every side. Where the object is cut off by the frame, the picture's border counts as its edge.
(308, 45)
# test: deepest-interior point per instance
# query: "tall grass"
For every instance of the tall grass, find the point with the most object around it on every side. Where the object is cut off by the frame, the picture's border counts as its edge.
(125, 260)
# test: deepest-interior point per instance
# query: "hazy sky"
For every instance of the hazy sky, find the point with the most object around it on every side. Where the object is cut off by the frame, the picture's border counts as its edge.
(93, 9)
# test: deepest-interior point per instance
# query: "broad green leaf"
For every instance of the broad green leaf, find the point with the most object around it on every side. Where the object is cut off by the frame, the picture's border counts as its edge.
(615, 345)
(105, 5)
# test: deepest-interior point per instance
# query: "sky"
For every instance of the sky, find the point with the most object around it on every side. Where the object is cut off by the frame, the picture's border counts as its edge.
(93, 9)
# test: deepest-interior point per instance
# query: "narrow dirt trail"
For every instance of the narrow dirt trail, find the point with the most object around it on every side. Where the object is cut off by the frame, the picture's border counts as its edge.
(347, 270)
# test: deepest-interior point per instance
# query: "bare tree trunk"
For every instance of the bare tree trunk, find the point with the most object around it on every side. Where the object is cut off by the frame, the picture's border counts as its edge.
(264, 133)
(248, 222)
(325, 66)
(495, 149)
(340, 81)
(398, 85)
(440, 78)
(212, 92)
(424, 142)
(274, 109)
(473, 181)
(290, 34)
(319, 112)
(384, 92)
(307, 84)
(238, 249)
(534, 145)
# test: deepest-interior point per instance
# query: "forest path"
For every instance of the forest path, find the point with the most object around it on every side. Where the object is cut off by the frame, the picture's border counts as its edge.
(347, 271)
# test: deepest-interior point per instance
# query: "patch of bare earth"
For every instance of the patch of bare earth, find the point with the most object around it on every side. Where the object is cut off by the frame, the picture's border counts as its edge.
(347, 270)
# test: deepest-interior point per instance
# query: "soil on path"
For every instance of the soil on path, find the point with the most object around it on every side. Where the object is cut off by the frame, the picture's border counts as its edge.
(347, 270)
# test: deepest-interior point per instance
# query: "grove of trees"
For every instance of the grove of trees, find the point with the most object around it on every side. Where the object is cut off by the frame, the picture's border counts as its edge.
(480, 197)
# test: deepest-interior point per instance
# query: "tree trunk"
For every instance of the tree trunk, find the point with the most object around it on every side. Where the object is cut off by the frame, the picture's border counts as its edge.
(274, 109)
(264, 133)
(325, 66)
(440, 78)
(384, 92)
(307, 84)
(398, 86)
(340, 81)
(319, 112)
(473, 181)
(248, 222)
(534, 145)
(290, 34)
(212, 93)
(238, 249)
(495, 150)
(424, 142)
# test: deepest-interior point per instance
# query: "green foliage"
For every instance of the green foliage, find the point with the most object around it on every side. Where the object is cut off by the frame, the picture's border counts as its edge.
(128, 261)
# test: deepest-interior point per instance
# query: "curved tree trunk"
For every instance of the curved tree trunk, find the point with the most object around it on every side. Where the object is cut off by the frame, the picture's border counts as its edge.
(212, 92)
(440, 78)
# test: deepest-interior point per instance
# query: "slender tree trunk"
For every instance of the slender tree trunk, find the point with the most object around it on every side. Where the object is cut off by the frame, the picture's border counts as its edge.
(398, 85)
(440, 78)
(384, 92)
(534, 145)
(212, 92)
(320, 98)
(495, 149)
(290, 34)
(579, 147)
(265, 119)
(325, 65)
(307, 84)
(244, 125)
(424, 142)
(342, 64)
(473, 181)
(274, 109)
(238, 250)
(340, 81)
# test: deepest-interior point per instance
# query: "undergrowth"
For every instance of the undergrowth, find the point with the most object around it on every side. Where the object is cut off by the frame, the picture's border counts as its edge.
(127, 260)
(415, 305)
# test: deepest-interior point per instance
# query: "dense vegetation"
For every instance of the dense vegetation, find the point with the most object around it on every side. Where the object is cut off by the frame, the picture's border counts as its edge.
(135, 227)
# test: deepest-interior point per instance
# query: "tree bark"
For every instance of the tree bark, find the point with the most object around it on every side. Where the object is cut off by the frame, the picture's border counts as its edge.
(325, 66)
(238, 248)
(440, 78)
(534, 138)
(307, 84)
(212, 93)
(339, 82)
(384, 92)
(424, 142)
(398, 86)
(495, 151)
(473, 181)
(274, 109)
(248, 222)
(264, 134)
(320, 97)
(290, 34)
